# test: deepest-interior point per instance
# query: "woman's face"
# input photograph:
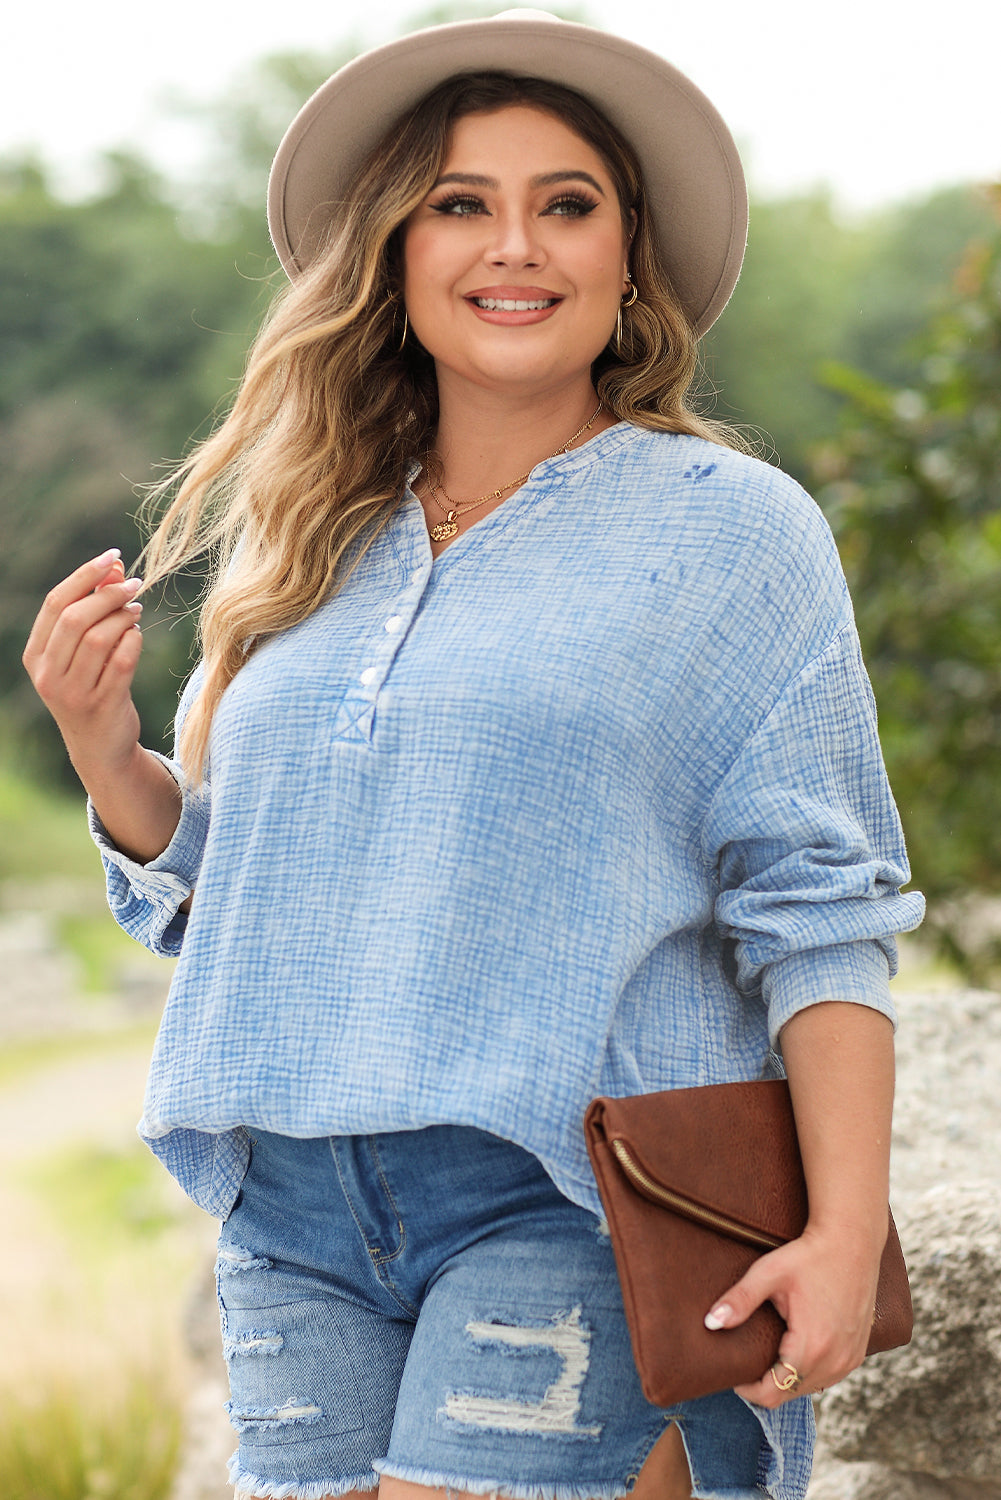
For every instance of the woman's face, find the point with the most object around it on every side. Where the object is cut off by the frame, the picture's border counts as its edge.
(515, 263)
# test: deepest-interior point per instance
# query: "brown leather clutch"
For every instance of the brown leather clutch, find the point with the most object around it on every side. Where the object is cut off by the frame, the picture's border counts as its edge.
(696, 1183)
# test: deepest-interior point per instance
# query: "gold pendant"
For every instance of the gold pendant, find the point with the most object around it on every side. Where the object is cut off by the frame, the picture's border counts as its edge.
(444, 531)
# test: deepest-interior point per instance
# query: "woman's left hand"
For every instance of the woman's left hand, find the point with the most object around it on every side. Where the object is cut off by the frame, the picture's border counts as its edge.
(839, 1059)
(824, 1287)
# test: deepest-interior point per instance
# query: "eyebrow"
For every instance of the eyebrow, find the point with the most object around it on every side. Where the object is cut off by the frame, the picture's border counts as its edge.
(545, 179)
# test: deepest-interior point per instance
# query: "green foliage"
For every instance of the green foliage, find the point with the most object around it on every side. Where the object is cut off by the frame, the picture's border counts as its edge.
(787, 314)
(101, 1196)
(79, 1443)
(814, 289)
(242, 128)
(118, 333)
(43, 832)
(19, 1057)
(99, 946)
(43, 836)
(913, 253)
(913, 490)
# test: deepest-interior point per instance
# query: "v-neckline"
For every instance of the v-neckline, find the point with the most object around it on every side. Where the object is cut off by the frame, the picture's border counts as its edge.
(512, 504)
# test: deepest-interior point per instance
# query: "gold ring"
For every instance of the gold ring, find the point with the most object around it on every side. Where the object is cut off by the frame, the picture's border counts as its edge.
(791, 1381)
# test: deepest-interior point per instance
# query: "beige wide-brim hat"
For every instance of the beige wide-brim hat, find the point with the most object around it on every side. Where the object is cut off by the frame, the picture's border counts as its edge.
(691, 169)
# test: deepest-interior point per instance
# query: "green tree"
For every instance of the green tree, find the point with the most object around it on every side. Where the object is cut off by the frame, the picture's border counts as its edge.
(786, 317)
(240, 129)
(913, 490)
(119, 332)
(816, 287)
(911, 254)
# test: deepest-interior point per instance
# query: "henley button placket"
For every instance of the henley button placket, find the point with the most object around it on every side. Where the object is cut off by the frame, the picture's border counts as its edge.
(356, 714)
(355, 717)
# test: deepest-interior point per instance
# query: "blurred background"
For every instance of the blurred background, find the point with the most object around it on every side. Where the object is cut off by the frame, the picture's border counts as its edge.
(862, 349)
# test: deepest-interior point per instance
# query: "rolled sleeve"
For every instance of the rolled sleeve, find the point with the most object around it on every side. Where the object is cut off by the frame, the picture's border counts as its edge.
(809, 850)
(856, 972)
(144, 899)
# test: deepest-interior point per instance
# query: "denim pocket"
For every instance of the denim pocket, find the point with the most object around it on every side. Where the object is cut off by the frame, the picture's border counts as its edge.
(290, 1375)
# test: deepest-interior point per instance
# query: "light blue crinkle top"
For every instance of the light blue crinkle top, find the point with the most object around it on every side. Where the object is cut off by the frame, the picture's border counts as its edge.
(592, 803)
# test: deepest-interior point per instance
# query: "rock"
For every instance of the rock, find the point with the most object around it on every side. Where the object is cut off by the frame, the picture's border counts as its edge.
(41, 991)
(934, 1407)
(38, 995)
(946, 1110)
(834, 1480)
(837, 1481)
(208, 1442)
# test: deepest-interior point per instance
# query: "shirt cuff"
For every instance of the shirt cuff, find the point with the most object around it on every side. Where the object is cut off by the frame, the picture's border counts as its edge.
(144, 899)
(859, 973)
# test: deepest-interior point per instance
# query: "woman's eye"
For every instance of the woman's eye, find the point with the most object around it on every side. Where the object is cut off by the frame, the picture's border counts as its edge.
(572, 206)
(459, 204)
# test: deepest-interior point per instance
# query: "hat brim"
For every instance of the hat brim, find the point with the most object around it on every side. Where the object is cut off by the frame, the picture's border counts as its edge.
(691, 169)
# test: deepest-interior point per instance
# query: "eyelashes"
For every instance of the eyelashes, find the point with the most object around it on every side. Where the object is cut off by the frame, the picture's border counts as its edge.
(461, 205)
(573, 205)
(467, 205)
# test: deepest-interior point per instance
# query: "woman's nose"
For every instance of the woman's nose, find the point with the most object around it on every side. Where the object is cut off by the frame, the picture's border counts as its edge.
(515, 242)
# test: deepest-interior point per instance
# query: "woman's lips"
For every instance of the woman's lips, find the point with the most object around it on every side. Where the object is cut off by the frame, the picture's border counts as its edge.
(512, 307)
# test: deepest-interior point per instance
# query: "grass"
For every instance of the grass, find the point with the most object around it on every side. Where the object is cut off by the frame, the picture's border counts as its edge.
(101, 1196)
(96, 1273)
(92, 1407)
(21, 1057)
(99, 946)
(43, 832)
(79, 1443)
(47, 859)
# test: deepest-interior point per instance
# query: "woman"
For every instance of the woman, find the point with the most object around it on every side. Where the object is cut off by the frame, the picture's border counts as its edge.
(531, 758)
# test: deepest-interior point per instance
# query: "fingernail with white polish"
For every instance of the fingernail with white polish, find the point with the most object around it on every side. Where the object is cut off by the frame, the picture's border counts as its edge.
(112, 555)
(132, 583)
(719, 1317)
(134, 607)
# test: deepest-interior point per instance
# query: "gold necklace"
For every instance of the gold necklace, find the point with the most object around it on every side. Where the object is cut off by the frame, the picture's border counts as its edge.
(448, 528)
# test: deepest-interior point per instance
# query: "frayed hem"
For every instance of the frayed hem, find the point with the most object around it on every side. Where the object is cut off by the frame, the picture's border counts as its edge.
(503, 1491)
(248, 1487)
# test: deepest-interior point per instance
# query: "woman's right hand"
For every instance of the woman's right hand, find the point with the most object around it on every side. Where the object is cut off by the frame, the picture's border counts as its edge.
(81, 655)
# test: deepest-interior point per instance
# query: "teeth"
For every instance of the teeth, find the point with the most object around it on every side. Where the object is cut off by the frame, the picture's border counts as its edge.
(509, 304)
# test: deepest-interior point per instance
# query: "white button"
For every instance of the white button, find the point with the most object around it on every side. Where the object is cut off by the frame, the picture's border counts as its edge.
(393, 623)
(369, 675)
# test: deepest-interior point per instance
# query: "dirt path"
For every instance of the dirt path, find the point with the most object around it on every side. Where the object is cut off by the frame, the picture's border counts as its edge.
(96, 1097)
(75, 1102)
(55, 1291)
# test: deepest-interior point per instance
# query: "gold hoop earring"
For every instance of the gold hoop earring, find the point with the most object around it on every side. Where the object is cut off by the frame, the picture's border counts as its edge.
(624, 302)
(406, 328)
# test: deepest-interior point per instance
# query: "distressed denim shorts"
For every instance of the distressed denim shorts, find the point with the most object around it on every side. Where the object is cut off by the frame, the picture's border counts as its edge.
(426, 1304)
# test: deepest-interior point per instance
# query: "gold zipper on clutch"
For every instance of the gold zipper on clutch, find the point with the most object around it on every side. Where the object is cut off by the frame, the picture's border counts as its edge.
(685, 1206)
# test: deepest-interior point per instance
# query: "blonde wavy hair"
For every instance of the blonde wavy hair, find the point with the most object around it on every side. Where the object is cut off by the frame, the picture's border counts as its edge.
(309, 465)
